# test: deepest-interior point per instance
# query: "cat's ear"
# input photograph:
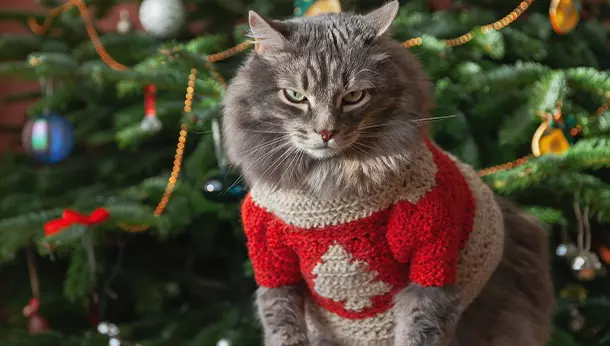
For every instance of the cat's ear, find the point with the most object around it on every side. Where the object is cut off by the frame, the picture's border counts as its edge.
(381, 19)
(266, 33)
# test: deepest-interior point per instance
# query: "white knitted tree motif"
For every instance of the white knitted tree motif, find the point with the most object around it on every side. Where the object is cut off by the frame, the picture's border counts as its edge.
(341, 279)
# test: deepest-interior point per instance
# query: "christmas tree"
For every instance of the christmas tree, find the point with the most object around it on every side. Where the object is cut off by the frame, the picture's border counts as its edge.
(136, 225)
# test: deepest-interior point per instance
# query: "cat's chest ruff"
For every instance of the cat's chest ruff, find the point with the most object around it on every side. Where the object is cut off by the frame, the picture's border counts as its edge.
(303, 210)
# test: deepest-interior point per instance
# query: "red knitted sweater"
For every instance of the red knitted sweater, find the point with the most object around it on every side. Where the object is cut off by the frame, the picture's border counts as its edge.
(353, 269)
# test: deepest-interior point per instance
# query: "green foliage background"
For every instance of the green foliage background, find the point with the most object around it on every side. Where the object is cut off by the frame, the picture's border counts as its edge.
(187, 281)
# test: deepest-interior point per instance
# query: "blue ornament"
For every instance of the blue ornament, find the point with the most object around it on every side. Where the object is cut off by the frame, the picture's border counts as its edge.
(48, 138)
(224, 188)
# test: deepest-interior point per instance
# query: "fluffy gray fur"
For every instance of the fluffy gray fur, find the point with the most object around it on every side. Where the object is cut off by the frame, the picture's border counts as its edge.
(278, 143)
(323, 57)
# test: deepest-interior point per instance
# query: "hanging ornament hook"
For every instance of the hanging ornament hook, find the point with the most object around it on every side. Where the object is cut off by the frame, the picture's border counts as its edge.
(47, 90)
(218, 146)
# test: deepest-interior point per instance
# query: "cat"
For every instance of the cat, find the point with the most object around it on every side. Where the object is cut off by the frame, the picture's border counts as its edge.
(326, 122)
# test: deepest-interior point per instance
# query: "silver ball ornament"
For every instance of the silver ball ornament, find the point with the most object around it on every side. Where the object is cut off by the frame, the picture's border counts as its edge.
(587, 266)
(567, 250)
(223, 342)
(162, 18)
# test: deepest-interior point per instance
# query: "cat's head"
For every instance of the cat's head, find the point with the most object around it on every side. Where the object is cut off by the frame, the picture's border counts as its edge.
(321, 100)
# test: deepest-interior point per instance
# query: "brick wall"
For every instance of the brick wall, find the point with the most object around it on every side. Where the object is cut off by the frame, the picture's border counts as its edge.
(13, 114)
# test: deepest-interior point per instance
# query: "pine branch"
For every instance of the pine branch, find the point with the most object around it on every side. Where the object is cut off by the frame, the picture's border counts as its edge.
(590, 153)
(19, 231)
(28, 222)
(510, 76)
(53, 64)
(77, 285)
(20, 69)
(541, 170)
(17, 47)
(126, 48)
(490, 43)
(134, 214)
(524, 46)
(589, 79)
(547, 92)
(548, 216)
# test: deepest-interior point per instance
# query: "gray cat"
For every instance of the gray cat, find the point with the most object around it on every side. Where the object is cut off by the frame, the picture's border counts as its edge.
(326, 121)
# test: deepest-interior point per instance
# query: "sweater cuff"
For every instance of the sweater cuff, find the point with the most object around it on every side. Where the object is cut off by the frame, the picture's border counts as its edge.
(433, 272)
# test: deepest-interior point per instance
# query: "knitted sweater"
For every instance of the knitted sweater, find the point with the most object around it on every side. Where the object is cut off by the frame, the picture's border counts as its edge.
(437, 226)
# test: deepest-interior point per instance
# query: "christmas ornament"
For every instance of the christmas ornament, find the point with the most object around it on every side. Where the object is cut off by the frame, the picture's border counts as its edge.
(586, 265)
(564, 15)
(555, 134)
(223, 342)
(568, 251)
(71, 217)
(604, 253)
(226, 186)
(574, 292)
(566, 248)
(150, 123)
(577, 320)
(309, 8)
(36, 322)
(124, 25)
(162, 18)
(48, 138)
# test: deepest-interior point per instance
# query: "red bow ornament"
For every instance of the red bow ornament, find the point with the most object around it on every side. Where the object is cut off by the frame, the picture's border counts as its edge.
(71, 217)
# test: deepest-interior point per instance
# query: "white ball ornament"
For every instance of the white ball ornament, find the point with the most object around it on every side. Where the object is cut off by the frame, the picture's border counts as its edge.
(162, 18)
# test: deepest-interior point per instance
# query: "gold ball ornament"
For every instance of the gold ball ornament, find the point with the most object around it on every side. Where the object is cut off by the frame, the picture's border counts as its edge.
(547, 140)
(564, 15)
(574, 293)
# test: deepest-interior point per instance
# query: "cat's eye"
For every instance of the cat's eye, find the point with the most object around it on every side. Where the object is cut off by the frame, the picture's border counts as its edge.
(294, 96)
(353, 97)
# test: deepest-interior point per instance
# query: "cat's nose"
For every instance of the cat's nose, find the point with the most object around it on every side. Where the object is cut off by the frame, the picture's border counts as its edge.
(327, 134)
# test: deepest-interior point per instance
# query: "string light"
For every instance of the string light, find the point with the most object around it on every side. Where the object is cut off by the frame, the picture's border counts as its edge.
(173, 178)
(505, 166)
(467, 37)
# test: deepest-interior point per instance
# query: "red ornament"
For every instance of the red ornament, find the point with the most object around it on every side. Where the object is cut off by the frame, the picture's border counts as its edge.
(150, 101)
(150, 123)
(36, 323)
(604, 253)
(71, 217)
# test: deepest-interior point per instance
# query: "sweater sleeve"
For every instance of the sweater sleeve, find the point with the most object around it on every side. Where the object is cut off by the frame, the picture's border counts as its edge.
(273, 262)
(426, 236)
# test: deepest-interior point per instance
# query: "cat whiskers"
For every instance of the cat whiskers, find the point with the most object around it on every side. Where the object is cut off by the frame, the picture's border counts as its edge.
(293, 163)
(273, 132)
(271, 143)
(273, 151)
(277, 162)
(431, 119)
